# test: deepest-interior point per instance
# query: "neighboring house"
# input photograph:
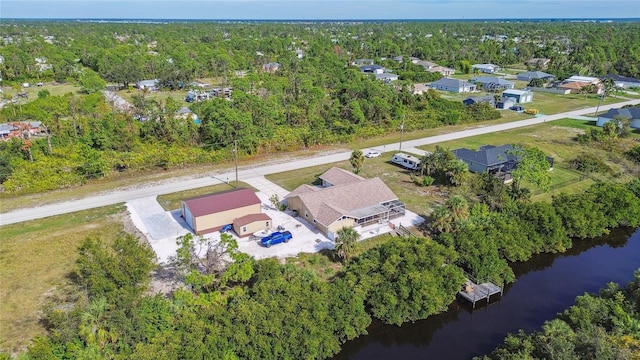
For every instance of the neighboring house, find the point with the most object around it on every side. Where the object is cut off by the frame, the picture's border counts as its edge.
(419, 89)
(538, 63)
(574, 87)
(361, 62)
(530, 75)
(347, 203)
(623, 82)
(426, 64)
(631, 113)
(485, 68)
(372, 69)
(20, 129)
(492, 159)
(506, 103)
(209, 213)
(300, 54)
(151, 85)
(201, 85)
(400, 59)
(520, 96)
(185, 113)
(271, 67)
(445, 71)
(224, 92)
(249, 224)
(480, 99)
(387, 77)
(492, 83)
(453, 85)
(585, 79)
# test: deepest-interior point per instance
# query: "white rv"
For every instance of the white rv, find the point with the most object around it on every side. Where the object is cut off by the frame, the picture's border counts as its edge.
(406, 161)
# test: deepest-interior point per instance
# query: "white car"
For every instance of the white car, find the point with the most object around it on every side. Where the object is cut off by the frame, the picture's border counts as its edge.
(372, 154)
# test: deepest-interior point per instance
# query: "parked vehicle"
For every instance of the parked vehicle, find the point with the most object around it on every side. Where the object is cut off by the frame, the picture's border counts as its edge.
(276, 238)
(516, 108)
(406, 161)
(226, 228)
(531, 111)
(372, 154)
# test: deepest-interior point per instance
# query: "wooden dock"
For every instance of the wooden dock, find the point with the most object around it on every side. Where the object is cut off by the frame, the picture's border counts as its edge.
(476, 292)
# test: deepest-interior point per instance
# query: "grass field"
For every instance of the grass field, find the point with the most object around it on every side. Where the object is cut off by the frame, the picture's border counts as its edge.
(54, 89)
(35, 260)
(172, 201)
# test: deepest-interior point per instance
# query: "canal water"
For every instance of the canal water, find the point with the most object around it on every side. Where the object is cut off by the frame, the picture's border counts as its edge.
(545, 286)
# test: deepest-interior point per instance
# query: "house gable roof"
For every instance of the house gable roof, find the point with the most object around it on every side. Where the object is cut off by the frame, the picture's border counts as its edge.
(451, 82)
(222, 201)
(327, 205)
(516, 92)
(535, 75)
(491, 80)
(248, 219)
(627, 113)
(488, 155)
(621, 78)
(338, 176)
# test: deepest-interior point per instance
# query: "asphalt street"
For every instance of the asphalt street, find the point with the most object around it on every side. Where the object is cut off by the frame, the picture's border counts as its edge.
(123, 195)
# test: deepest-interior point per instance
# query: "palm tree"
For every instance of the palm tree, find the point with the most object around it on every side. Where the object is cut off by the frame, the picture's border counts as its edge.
(357, 160)
(458, 207)
(346, 239)
(442, 219)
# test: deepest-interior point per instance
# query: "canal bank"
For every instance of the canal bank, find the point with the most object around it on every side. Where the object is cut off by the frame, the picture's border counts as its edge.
(546, 285)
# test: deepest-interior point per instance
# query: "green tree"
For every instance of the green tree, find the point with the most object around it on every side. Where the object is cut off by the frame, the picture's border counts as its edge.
(347, 237)
(356, 160)
(532, 167)
(91, 82)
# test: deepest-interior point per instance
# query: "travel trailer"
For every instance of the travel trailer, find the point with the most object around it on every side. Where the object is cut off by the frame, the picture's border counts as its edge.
(406, 161)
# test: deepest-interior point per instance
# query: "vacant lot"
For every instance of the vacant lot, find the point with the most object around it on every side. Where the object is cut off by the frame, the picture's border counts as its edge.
(53, 88)
(36, 258)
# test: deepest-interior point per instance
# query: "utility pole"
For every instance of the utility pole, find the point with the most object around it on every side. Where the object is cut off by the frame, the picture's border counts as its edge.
(401, 132)
(599, 101)
(235, 153)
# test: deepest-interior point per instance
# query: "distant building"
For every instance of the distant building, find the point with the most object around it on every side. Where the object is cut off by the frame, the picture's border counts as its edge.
(530, 75)
(486, 68)
(492, 83)
(20, 129)
(360, 62)
(505, 103)
(453, 85)
(538, 63)
(151, 85)
(623, 82)
(480, 99)
(271, 67)
(520, 96)
(372, 69)
(445, 71)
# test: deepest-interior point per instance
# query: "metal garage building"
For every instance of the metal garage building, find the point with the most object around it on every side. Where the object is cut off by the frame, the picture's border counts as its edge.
(209, 213)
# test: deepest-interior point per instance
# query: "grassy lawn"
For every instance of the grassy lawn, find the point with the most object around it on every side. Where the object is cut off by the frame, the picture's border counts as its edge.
(54, 89)
(159, 96)
(548, 103)
(35, 260)
(172, 201)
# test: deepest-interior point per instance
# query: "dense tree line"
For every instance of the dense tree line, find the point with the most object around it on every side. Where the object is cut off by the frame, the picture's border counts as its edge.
(506, 227)
(599, 326)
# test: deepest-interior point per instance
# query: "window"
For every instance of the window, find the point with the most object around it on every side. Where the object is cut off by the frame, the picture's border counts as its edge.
(314, 221)
(244, 229)
(267, 224)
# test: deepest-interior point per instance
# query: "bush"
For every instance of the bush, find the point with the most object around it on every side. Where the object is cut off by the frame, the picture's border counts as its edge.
(589, 163)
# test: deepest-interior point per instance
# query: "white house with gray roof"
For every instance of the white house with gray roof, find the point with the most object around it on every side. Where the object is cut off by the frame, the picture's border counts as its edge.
(630, 113)
(486, 68)
(492, 83)
(345, 201)
(453, 85)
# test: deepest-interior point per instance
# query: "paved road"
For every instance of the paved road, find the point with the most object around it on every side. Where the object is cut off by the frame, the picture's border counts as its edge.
(120, 196)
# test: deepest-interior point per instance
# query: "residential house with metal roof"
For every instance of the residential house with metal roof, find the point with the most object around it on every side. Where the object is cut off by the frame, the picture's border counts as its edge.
(453, 85)
(209, 213)
(488, 158)
(480, 99)
(520, 96)
(348, 202)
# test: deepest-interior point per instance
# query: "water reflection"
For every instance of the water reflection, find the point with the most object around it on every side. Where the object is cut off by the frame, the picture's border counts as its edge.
(546, 285)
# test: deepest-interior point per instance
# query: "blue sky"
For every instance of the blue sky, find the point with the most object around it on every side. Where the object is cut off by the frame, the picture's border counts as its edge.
(315, 9)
